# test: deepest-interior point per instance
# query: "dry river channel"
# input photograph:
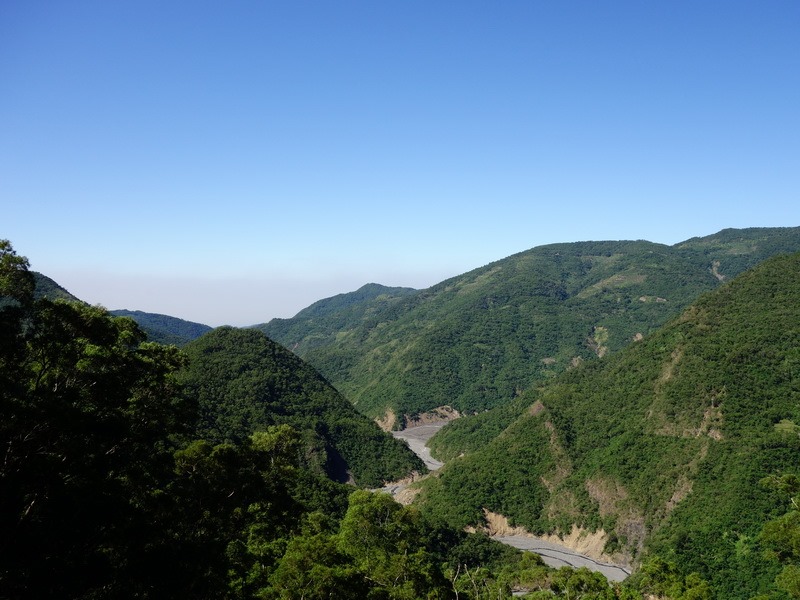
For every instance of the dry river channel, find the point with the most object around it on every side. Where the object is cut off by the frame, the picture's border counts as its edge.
(554, 555)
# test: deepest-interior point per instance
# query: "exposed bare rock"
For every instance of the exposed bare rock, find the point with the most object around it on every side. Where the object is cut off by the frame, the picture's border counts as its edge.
(613, 500)
(536, 408)
(715, 271)
(437, 415)
(388, 421)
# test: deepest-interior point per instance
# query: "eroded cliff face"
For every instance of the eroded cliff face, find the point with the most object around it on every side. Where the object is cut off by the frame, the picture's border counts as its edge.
(391, 422)
(387, 422)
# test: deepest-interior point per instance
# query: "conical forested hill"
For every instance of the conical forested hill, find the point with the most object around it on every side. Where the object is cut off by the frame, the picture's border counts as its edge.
(245, 382)
(477, 340)
(661, 446)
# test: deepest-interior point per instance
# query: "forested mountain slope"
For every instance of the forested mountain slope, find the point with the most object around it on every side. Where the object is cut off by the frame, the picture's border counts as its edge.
(244, 382)
(163, 328)
(661, 446)
(477, 340)
(318, 324)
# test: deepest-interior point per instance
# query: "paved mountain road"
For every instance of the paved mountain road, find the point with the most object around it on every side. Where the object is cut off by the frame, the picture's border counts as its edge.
(554, 555)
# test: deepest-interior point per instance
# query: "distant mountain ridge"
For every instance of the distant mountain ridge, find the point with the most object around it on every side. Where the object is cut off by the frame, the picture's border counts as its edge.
(165, 329)
(367, 292)
(478, 340)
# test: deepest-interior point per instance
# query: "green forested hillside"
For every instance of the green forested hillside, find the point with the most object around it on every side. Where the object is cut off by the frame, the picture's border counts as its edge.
(319, 324)
(163, 328)
(662, 446)
(105, 492)
(245, 382)
(132, 469)
(478, 340)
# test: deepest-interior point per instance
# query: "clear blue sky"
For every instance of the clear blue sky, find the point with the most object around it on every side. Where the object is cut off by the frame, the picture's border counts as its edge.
(230, 162)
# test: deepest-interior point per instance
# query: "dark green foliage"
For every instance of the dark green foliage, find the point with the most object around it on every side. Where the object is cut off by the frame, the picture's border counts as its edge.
(661, 579)
(581, 583)
(163, 328)
(104, 494)
(244, 382)
(224, 516)
(780, 537)
(314, 567)
(89, 415)
(662, 445)
(456, 548)
(17, 284)
(477, 340)
(383, 540)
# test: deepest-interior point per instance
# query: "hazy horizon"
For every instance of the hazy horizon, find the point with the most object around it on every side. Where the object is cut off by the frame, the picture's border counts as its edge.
(234, 163)
(167, 294)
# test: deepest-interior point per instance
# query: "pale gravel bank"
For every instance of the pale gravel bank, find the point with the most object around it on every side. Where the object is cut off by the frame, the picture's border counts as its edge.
(417, 438)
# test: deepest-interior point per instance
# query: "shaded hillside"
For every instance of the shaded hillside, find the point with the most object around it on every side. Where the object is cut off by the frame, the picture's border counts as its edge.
(244, 382)
(318, 324)
(477, 340)
(661, 446)
(163, 328)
